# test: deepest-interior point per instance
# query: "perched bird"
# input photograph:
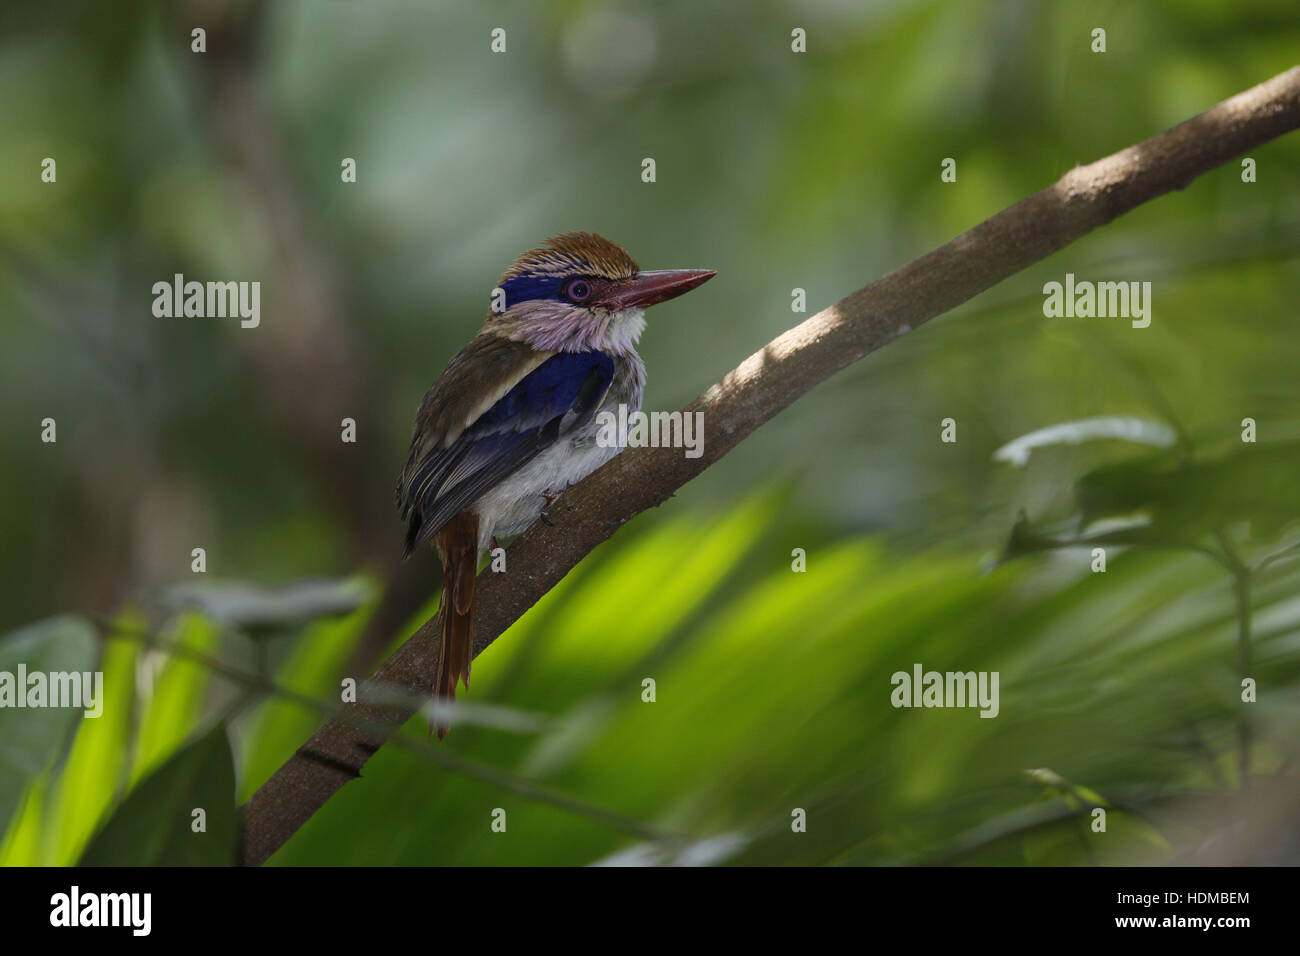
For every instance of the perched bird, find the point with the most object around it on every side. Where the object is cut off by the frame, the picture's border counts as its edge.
(511, 422)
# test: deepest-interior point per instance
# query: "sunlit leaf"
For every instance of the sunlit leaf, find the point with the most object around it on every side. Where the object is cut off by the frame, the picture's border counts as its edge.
(96, 769)
(176, 697)
(31, 737)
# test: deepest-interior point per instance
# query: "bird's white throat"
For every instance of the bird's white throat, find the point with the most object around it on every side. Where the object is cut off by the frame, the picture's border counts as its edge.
(625, 329)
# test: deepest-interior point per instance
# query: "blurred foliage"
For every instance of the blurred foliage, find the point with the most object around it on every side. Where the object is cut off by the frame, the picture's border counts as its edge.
(817, 171)
(772, 693)
(32, 737)
(148, 829)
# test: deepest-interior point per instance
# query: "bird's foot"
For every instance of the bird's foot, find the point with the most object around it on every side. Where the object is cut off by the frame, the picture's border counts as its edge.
(545, 515)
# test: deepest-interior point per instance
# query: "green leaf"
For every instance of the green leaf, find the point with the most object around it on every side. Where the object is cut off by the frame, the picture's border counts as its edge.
(30, 737)
(1126, 428)
(1062, 844)
(263, 612)
(95, 771)
(22, 845)
(1188, 500)
(774, 693)
(1163, 501)
(175, 702)
(154, 825)
(1025, 539)
(279, 726)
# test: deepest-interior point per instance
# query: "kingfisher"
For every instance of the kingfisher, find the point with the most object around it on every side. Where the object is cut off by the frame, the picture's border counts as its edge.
(512, 420)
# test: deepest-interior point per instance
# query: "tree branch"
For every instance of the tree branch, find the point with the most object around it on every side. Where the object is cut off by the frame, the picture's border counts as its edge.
(767, 382)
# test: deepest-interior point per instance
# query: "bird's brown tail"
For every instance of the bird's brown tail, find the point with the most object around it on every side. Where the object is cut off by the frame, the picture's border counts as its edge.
(458, 547)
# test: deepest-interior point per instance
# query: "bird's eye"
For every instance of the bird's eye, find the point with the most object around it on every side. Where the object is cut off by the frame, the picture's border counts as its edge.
(578, 290)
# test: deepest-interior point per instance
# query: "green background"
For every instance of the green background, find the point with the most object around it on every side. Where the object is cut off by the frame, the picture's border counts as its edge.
(780, 170)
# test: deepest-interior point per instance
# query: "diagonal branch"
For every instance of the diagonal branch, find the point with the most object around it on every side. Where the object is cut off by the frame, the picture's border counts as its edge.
(767, 382)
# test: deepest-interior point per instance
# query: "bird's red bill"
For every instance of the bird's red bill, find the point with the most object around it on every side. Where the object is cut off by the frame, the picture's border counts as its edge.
(650, 288)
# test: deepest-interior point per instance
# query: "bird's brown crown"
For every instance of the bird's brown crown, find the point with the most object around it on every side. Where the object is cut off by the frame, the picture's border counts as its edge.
(578, 253)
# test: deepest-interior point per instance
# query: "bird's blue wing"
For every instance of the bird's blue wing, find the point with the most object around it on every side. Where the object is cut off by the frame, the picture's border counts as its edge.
(557, 396)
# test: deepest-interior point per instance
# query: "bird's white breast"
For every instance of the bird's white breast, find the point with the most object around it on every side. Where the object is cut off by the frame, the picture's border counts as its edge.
(514, 504)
